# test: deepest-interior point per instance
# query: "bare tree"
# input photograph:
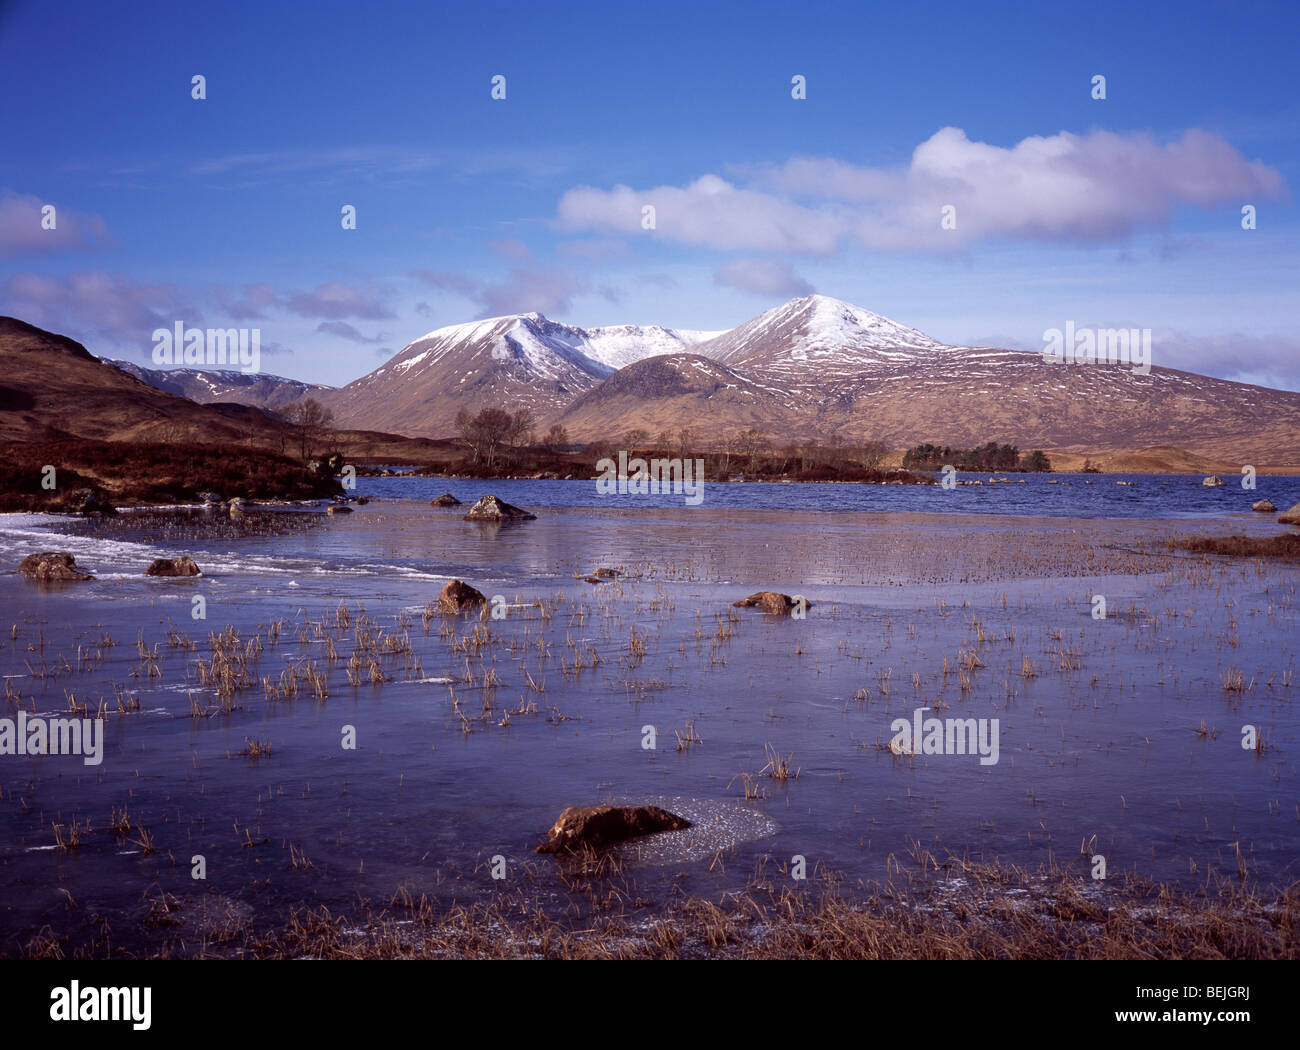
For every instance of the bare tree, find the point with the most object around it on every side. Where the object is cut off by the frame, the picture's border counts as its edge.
(685, 442)
(635, 438)
(485, 432)
(752, 443)
(557, 437)
(520, 431)
(872, 455)
(313, 421)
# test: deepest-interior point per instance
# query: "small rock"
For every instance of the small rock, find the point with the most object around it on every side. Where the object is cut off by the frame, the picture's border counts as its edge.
(490, 508)
(599, 826)
(457, 595)
(1264, 506)
(52, 566)
(362, 501)
(773, 602)
(172, 567)
(339, 510)
(445, 500)
(1290, 517)
(1213, 481)
(607, 574)
(210, 499)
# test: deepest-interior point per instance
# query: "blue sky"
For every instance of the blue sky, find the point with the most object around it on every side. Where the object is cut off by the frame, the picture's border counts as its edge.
(226, 211)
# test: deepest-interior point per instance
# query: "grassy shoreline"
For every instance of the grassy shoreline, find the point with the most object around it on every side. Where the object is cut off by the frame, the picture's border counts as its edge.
(949, 909)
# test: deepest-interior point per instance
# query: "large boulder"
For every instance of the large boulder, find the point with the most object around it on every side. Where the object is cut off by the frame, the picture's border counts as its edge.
(445, 500)
(51, 566)
(773, 602)
(457, 595)
(490, 508)
(1290, 517)
(598, 826)
(88, 502)
(1264, 506)
(172, 567)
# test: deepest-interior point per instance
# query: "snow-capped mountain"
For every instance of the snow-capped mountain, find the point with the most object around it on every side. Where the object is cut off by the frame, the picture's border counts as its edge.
(820, 339)
(208, 386)
(519, 361)
(622, 345)
(811, 368)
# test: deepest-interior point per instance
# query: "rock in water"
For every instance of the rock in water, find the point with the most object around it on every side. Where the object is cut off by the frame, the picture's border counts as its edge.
(172, 567)
(339, 510)
(489, 508)
(773, 602)
(445, 500)
(1290, 517)
(1213, 481)
(458, 595)
(51, 566)
(599, 826)
(88, 502)
(1264, 506)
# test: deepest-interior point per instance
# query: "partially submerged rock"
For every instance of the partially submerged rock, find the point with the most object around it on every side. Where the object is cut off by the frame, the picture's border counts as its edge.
(445, 500)
(210, 499)
(50, 566)
(607, 574)
(1213, 481)
(490, 508)
(598, 826)
(339, 509)
(457, 595)
(1290, 517)
(774, 603)
(172, 567)
(88, 502)
(1264, 506)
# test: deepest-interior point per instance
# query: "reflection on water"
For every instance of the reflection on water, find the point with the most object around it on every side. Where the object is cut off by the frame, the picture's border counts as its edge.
(477, 733)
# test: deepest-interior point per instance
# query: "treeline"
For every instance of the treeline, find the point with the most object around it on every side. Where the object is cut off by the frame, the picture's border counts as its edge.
(498, 442)
(753, 454)
(989, 458)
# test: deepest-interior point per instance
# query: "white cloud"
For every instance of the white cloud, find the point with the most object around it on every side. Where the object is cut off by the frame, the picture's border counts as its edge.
(1098, 187)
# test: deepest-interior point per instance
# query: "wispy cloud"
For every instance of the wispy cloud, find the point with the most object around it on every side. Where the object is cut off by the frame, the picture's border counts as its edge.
(346, 331)
(335, 301)
(763, 277)
(124, 311)
(380, 162)
(24, 232)
(543, 288)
